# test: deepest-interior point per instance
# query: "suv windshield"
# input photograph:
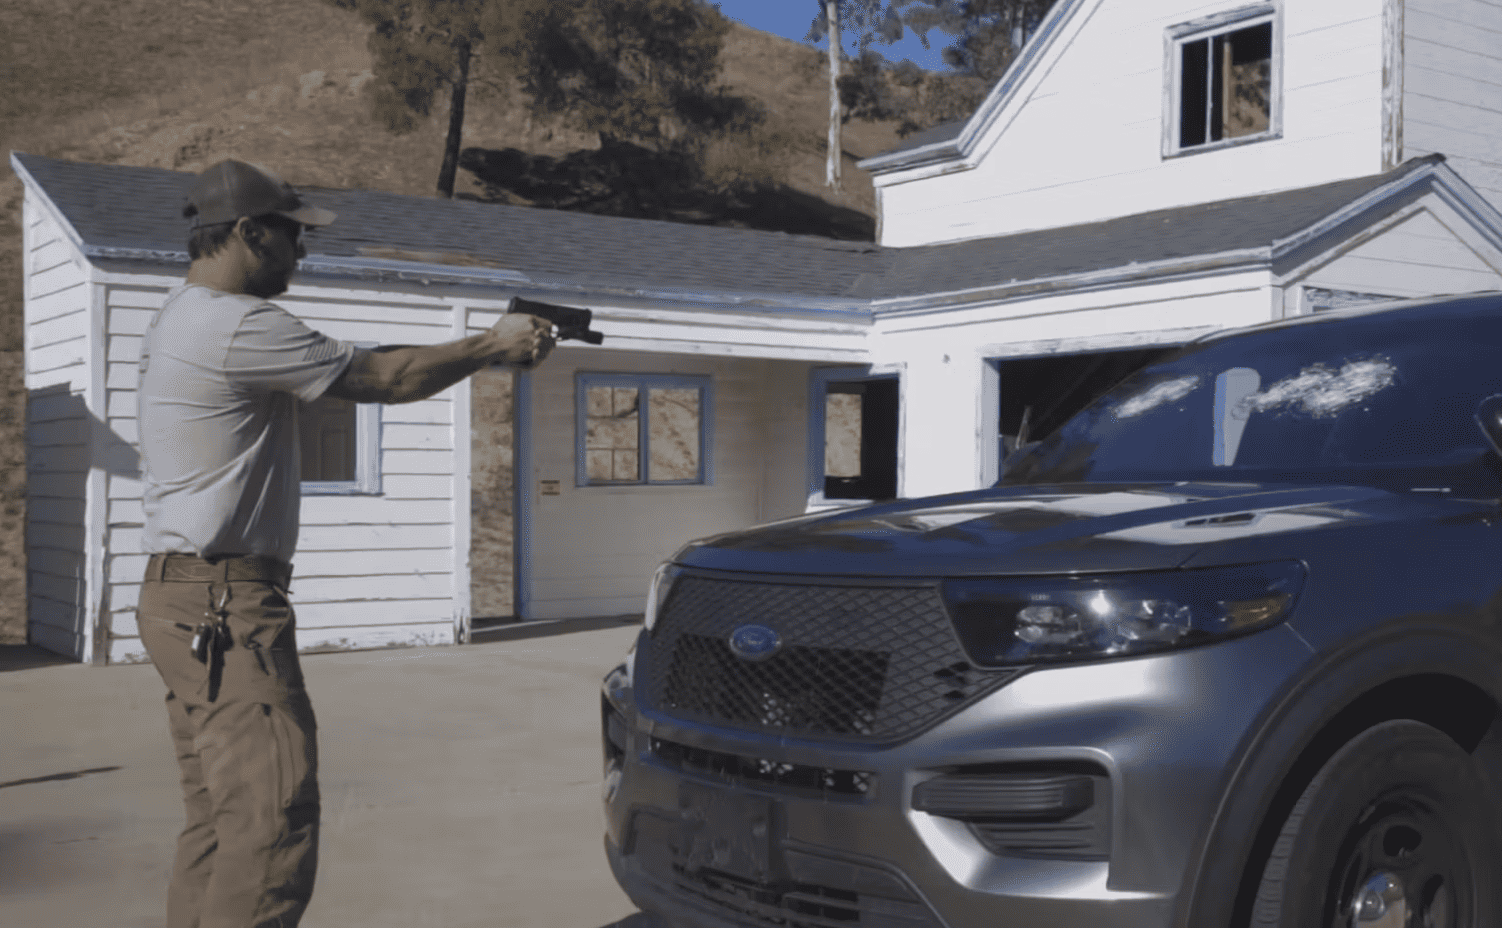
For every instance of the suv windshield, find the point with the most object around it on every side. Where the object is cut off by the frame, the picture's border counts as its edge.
(1386, 398)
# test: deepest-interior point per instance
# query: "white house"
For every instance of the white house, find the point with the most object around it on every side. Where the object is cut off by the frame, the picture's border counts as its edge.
(1147, 171)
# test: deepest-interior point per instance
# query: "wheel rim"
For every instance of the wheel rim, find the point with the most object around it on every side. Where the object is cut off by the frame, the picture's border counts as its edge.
(1403, 865)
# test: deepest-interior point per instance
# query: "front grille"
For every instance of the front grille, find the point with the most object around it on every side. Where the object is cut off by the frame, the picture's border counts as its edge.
(858, 662)
(737, 770)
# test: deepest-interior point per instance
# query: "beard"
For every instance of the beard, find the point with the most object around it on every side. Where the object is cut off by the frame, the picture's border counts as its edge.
(269, 280)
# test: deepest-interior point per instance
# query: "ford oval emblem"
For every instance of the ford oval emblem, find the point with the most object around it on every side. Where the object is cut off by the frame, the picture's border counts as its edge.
(755, 642)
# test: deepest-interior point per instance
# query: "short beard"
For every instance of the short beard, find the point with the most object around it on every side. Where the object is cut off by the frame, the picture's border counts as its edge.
(266, 282)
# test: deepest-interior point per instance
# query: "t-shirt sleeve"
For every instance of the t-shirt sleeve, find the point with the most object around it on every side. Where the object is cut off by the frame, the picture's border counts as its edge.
(273, 350)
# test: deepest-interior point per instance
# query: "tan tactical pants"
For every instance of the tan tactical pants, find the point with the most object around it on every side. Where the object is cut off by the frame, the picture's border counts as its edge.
(245, 738)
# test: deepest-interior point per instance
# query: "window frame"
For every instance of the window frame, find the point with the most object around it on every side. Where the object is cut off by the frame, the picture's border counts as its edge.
(367, 480)
(584, 380)
(1174, 40)
(819, 379)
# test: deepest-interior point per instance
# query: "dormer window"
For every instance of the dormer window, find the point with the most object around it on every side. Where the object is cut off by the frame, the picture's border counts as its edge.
(1224, 81)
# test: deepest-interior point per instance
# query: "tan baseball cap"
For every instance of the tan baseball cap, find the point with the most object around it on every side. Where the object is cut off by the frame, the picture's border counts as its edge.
(231, 189)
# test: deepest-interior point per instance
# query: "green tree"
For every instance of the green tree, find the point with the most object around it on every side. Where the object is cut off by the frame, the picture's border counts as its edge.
(641, 69)
(644, 70)
(419, 50)
(988, 36)
(867, 20)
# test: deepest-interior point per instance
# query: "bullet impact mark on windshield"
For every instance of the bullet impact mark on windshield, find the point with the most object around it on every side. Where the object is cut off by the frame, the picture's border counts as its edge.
(1322, 392)
(1170, 391)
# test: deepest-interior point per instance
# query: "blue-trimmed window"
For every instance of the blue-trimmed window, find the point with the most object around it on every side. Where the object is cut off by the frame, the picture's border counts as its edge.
(643, 429)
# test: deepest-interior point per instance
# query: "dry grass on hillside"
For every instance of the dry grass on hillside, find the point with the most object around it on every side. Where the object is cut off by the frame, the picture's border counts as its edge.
(181, 85)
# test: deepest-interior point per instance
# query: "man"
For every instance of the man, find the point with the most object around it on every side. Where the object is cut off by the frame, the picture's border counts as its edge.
(221, 373)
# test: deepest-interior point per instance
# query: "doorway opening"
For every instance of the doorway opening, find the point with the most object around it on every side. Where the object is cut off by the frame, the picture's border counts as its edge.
(861, 423)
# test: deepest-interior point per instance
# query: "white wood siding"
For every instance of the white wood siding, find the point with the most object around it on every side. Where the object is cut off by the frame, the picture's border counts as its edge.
(1086, 141)
(57, 309)
(1423, 252)
(1452, 101)
(594, 548)
(943, 356)
(370, 571)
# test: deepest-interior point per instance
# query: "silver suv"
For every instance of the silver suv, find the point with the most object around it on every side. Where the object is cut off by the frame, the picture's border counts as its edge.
(1225, 649)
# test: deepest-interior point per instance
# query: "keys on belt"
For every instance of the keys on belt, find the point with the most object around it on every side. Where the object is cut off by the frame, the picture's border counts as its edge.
(212, 635)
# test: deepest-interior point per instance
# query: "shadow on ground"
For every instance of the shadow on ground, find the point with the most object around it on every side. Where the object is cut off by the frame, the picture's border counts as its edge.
(27, 656)
(621, 179)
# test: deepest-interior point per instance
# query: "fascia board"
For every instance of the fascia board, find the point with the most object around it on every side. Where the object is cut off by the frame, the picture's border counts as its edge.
(376, 271)
(1244, 259)
(962, 152)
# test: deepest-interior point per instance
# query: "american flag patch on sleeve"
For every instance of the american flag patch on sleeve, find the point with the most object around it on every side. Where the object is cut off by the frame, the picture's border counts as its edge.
(321, 350)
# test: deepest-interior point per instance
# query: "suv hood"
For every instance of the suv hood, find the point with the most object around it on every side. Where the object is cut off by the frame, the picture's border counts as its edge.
(1035, 529)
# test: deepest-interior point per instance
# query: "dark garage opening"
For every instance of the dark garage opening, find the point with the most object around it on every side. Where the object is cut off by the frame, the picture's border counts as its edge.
(1037, 395)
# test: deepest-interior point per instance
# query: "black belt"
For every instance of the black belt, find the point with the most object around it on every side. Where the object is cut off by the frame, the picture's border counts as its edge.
(189, 568)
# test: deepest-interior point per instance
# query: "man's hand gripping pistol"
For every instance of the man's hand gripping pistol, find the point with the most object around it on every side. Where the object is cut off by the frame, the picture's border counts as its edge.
(571, 322)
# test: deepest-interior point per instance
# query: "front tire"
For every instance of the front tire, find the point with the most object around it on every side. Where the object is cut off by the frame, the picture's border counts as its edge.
(1397, 830)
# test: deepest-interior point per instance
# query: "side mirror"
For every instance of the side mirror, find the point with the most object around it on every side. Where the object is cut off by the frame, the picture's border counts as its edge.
(1489, 418)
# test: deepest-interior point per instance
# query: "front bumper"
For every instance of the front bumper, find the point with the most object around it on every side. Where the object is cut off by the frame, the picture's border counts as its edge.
(1165, 730)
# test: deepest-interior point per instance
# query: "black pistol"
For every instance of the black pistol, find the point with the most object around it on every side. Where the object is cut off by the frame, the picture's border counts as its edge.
(571, 322)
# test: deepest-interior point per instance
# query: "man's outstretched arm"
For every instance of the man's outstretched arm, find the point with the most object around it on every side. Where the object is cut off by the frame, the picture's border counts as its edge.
(406, 373)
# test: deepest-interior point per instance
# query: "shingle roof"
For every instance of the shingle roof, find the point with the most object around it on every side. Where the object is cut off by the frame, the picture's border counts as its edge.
(130, 209)
(136, 212)
(1143, 238)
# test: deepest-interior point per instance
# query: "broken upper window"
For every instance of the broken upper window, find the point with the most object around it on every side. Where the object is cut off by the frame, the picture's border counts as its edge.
(1224, 84)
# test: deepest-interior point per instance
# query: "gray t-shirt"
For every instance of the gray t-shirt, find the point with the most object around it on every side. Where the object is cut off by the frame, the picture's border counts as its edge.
(220, 378)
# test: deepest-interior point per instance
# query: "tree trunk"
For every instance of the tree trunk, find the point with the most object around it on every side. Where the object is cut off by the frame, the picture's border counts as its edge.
(832, 165)
(450, 166)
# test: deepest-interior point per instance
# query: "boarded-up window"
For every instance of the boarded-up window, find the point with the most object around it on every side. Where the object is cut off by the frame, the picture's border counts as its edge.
(642, 428)
(673, 415)
(1225, 85)
(842, 434)
(328, 433)
(612, 440)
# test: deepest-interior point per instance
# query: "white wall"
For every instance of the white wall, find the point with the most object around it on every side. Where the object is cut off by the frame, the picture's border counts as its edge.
(1452, 82)
(594, 548)
(58, 300)
(370, 571)
(945, 432)
(1085, 143)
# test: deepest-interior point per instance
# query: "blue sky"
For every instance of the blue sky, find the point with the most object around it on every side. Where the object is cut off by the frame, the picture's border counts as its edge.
(791, 18)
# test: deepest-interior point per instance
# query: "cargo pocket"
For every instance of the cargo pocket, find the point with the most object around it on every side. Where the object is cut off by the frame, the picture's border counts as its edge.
(261, 622)
(294, 761)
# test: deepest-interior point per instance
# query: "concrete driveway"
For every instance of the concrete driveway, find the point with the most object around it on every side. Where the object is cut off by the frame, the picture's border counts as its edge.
(461, 787)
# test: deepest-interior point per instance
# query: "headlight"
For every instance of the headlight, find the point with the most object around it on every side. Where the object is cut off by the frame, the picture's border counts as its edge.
(1031, 619)
(657, 592)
